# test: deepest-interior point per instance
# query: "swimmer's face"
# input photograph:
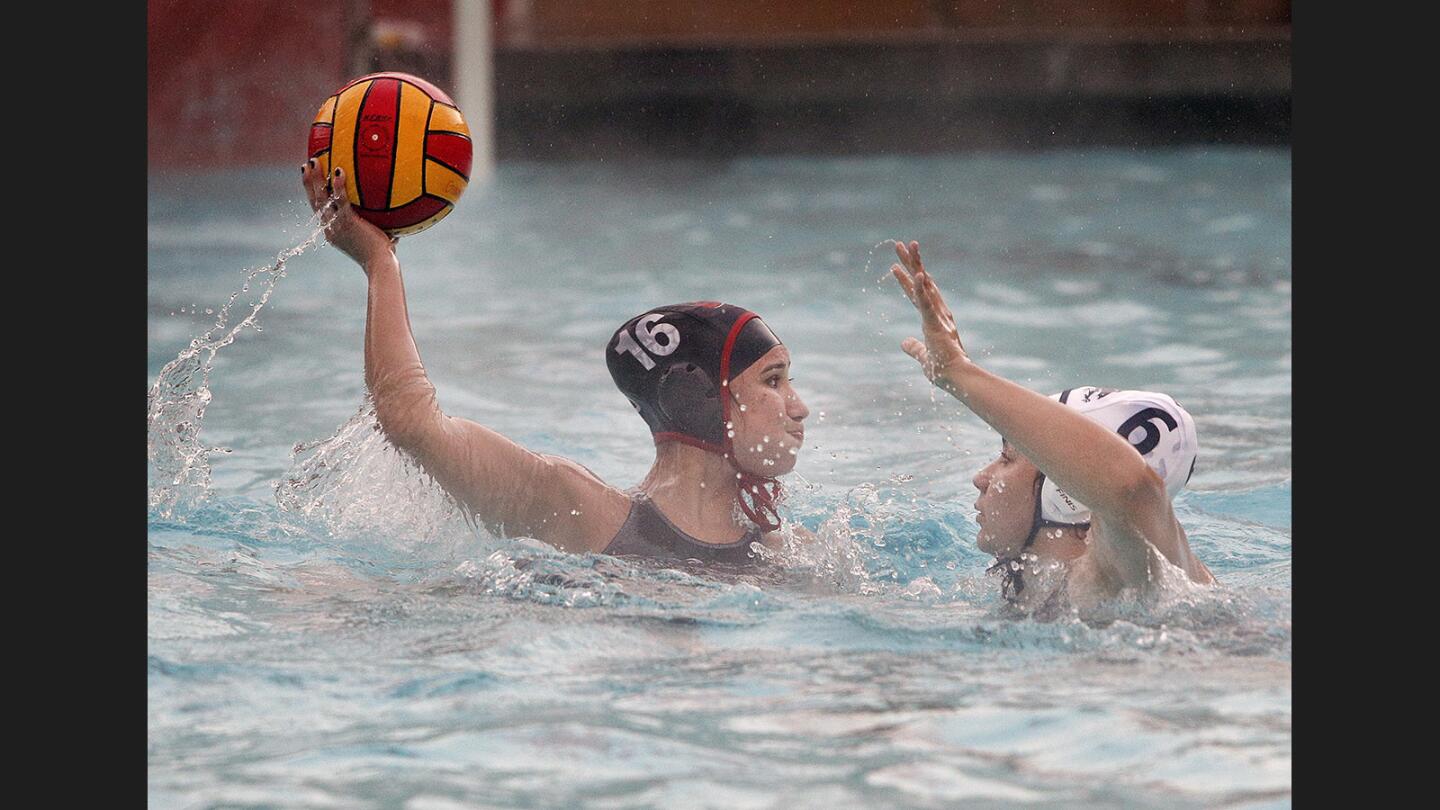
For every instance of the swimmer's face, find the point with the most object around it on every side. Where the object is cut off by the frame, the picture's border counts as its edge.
(767, 415)
(1006, 504)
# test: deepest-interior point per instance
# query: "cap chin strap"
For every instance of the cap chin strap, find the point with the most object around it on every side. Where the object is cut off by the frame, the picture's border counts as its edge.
(764, 492)
(1010, 567)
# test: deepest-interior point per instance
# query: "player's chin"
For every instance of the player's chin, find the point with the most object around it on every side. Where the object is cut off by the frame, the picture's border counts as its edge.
(783, 464)
(769, 464)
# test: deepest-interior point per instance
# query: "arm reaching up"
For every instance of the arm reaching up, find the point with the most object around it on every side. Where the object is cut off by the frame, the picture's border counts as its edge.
(1094, 464)
(514, 491)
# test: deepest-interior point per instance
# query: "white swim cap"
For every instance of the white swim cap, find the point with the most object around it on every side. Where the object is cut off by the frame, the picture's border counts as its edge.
(1153, 423)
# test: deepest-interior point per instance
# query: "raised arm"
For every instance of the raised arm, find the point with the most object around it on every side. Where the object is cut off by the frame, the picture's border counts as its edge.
(1091, 463)
(512, 490)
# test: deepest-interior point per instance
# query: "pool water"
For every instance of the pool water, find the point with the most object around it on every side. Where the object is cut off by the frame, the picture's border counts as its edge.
(325, 630)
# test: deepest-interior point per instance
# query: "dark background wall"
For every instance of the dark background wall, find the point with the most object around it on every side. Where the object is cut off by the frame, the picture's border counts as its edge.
(238, 82)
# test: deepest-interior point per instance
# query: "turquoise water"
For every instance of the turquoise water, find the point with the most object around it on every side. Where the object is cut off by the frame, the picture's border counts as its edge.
(325, 631)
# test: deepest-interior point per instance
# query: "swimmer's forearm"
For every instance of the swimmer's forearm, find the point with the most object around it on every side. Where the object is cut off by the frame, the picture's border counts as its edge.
(1094, 465)
(403, 395)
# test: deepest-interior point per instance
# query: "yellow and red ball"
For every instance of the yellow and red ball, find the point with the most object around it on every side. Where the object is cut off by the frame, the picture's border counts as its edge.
(403, 145)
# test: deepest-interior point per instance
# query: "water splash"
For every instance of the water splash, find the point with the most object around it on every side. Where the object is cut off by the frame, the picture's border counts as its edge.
(356, 483)
(845, 548)
(179, 464)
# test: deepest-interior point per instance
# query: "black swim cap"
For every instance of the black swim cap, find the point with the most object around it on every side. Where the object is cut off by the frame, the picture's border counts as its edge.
(673, 363)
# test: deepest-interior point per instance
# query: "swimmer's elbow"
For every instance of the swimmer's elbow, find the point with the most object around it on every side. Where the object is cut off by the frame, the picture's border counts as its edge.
(1142, 491)
(406, 408)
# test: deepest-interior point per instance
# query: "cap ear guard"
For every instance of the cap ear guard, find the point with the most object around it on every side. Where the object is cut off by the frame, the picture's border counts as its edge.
(690, 402)
(1059, 508)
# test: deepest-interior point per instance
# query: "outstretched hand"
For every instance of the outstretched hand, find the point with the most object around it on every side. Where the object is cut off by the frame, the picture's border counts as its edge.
(355, 237)
(942, 346)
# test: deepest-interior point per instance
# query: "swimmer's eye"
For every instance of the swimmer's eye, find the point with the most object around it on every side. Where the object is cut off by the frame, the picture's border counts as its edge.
(774, 382)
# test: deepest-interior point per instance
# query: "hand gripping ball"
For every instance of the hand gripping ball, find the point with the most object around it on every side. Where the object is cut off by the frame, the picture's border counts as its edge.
(403, 145)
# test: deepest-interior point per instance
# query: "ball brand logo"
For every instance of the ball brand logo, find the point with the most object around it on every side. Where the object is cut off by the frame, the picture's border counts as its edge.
(375, 117)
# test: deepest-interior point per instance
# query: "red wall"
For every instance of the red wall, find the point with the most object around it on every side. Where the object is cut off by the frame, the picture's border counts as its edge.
(237, 82)
(233, 82)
